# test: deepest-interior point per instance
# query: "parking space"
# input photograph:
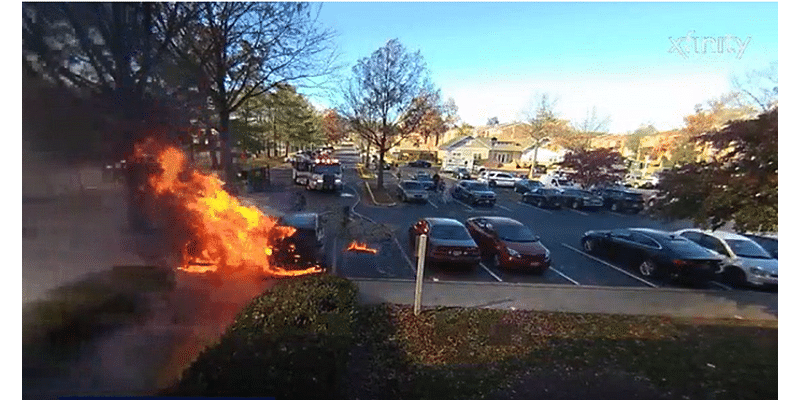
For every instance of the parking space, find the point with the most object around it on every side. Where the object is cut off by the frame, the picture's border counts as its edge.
(560, 230)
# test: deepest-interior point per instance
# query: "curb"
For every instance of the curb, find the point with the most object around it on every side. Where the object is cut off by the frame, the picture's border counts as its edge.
(373, 197)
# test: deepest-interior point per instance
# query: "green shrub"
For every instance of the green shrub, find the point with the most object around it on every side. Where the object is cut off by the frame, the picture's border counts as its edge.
(291, 342)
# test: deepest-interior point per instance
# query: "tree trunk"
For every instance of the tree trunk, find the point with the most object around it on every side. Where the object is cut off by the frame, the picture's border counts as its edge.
(381, 152)
(224, 148)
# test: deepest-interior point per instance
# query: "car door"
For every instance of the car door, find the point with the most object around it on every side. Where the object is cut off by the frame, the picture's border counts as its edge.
(619, 243)
(715, 244)
(478, 229)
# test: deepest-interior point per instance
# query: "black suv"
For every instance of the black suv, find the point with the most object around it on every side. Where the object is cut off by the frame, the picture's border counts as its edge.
(306, 247)
(474, 192)
(620, 199)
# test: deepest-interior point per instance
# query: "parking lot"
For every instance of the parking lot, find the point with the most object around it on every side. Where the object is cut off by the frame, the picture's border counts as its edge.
(560, 230)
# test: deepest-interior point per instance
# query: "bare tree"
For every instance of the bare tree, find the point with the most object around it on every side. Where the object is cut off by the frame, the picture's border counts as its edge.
(592, 123)
(387, 97)
(759, 87)
(243, 50)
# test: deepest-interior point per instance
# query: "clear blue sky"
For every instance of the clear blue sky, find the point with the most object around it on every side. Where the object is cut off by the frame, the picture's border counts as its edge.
(495, 59)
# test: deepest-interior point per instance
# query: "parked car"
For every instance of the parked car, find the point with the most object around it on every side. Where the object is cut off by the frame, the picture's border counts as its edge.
(509, 243)
(526, 185)
(557, 181)
(620, 199)
(579, 198)
(543, 197)
(654, 253)
(461, 173)
(448, 242)
(425, 179)
(304, 248)
(744, 261)
(420, 164)
(498, 178)
(408, 190)
(474, 192)
(768, 241)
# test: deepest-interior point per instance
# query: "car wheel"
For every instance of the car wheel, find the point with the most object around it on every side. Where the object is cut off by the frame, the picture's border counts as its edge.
(403, 197)
(492, 184)
(735, 277)
(589, 245)
(647, 268)
(540, 203)
(496, 260)
(516, 189)
(575, 204)
(614, 207)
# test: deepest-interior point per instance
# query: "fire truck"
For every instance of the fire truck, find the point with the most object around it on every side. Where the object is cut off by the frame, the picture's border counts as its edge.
(320, 173)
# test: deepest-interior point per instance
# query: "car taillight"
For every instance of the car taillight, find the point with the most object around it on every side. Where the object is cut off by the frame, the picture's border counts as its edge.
(680, 263)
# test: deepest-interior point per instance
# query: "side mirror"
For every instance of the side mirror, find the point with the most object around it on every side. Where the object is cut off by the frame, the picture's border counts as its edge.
(536, 238)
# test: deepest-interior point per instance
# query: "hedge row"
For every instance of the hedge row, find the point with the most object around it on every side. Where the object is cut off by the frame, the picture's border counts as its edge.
(291, 342)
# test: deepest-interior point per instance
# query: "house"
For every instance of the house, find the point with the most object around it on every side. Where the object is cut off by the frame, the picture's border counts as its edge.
(507, 152)
(512, 131)
(544, 156)
(464, 151)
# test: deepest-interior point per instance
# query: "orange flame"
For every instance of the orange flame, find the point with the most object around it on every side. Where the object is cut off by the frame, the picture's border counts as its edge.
(361, 247)
(216, 232)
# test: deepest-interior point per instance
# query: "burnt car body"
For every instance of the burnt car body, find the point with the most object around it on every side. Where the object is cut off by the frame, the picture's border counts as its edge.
(449, 243)
(654, 253)
(306, 247)
(543, 197)
(621, 199)
(526, 185)
(411, 190)
(509, 243)
(474, 192)
(579, 198)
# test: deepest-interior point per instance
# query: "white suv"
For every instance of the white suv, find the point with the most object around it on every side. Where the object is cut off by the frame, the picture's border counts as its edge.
(498, 178)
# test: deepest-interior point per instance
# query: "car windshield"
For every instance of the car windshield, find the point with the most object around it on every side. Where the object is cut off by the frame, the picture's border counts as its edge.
(478, 186)
(450, 232)
(549, 192)
(564, 182)
(412, 185)
(515, 233)
(327, 169)
(573, 192)
(746, 248)
(424, 177)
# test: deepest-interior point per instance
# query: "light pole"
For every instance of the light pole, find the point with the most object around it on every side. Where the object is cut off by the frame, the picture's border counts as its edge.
(536, 145)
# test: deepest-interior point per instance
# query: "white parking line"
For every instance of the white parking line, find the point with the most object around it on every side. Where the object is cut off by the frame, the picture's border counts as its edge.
(535, 208)
(408, 260)
(431, 203)
(504, 208)
(612, 266)
(724, 287)
(565, 276)
(491, 273)
(579, 212)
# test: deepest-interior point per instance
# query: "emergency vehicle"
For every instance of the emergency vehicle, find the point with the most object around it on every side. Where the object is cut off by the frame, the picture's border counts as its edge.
(321, 173)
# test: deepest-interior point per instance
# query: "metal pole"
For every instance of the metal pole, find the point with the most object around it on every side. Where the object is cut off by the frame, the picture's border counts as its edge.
(422, 241)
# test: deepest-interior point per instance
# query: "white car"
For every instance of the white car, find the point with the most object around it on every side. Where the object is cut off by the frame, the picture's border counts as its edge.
(744, 261)
(498, 178)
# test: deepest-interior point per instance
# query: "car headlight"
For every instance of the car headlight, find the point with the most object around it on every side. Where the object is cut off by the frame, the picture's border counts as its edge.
(758, 271)
(546, 254)
(338, 181)
(513, 253)
(319, 180)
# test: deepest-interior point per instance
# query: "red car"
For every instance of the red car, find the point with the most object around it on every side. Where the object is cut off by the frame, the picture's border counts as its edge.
(509, 243)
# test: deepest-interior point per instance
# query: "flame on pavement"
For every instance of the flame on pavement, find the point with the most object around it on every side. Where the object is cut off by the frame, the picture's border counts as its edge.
(212, 231)
(361, 247)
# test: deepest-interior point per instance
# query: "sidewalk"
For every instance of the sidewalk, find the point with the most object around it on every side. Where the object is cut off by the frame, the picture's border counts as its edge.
(576, 299)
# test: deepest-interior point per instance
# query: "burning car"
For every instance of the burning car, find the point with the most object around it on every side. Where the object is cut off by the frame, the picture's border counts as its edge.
(306, 247)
